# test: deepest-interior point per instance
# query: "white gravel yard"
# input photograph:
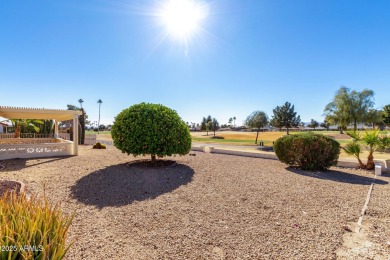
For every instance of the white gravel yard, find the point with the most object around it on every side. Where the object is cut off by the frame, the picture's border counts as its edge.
(207, 206)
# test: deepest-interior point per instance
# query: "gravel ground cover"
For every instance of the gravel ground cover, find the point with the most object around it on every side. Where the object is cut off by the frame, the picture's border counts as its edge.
(377, 219)
(10, 186)
(207, 206)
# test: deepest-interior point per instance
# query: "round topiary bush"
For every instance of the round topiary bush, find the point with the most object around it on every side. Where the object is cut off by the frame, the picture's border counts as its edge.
(99, 145)
(151, 129)
(309, 151)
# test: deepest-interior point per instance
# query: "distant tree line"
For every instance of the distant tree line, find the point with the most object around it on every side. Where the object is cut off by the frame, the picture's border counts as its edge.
(348, 107)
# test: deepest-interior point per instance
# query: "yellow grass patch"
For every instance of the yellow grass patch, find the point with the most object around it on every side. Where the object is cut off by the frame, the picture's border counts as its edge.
(272, 136)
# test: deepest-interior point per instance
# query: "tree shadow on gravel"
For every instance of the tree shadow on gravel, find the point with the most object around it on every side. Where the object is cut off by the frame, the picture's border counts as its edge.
(385, 174)
(122, 184)
(339, 176)
(21, 163)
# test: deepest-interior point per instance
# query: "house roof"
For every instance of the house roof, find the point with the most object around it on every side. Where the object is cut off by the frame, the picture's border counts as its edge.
(37, 113)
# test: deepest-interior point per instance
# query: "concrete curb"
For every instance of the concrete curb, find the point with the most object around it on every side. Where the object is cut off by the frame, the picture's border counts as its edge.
(365, 206)
(270, 155)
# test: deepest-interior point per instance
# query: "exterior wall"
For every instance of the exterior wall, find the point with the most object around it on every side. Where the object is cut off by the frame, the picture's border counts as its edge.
(32, 148)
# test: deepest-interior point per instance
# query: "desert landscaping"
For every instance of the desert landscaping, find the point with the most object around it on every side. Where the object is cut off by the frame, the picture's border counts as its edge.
(206, 206)
(195, 129)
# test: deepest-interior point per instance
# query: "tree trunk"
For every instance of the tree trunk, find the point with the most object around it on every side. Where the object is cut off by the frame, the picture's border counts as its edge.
(341, 129)
(257, 135)
(214, 134)
(153, 156)
(354, 126)
(361, 164)
(99, 121)
(18, 129)
(82, 124)
(288, 131)
(370, 162)
(207, 132)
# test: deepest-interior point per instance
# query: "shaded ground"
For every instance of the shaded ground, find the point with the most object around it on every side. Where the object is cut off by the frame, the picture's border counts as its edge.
(9, 186)
(140, 183)
(208, 206)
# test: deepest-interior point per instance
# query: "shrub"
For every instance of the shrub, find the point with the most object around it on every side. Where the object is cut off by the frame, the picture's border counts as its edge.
(31, 228)
(151, 129)
(384, 143)
(308, 151)
(373, 142)
(99, 145)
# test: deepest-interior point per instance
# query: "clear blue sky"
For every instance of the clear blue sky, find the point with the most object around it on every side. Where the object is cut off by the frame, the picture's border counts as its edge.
(250, 55)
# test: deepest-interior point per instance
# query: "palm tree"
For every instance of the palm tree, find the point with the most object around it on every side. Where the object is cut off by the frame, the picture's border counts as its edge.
(100, 103)
(23, 123)
(81, 101)
(372, 140)
(234, 119)
(354, 148)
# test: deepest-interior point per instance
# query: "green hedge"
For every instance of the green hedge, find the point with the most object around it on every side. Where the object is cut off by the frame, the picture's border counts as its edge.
(308, 151)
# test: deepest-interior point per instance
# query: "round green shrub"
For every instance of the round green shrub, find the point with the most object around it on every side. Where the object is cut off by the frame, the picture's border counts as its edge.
(99, 145)
(309, 151)
(151, 129)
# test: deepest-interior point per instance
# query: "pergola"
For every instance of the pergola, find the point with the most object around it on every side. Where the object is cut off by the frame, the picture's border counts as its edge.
(39, 147)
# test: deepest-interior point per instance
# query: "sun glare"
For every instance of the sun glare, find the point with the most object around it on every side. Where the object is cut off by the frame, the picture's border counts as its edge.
(182, 18)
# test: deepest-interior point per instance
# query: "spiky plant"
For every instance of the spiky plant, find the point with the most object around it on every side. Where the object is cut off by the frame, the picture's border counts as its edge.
(372, 141)
(354, 149)
(31, 228)
(384, 143)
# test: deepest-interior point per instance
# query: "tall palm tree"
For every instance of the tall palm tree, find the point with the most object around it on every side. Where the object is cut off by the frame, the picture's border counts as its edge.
(100, 103)
(234, 118)
(81, 101)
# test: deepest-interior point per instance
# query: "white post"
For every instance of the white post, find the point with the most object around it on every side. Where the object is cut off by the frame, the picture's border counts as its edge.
(75, 135)
(378, 169)
(56, 129)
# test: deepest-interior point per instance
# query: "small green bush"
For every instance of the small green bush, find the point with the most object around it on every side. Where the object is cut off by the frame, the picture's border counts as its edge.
(151, 129)
(308, 151)
(99, 145)
(31, 228)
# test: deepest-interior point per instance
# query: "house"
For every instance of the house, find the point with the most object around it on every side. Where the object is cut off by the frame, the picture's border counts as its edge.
(4, 125)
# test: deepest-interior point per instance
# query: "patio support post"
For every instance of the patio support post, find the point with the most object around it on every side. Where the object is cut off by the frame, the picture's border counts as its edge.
(56, 129)
(75, 134)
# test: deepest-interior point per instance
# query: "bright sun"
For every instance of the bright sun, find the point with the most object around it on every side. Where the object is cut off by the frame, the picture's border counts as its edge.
(182, 18)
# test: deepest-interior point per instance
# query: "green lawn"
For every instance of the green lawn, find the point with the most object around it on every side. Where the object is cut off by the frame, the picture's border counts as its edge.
(227, 141)
(246, 142)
